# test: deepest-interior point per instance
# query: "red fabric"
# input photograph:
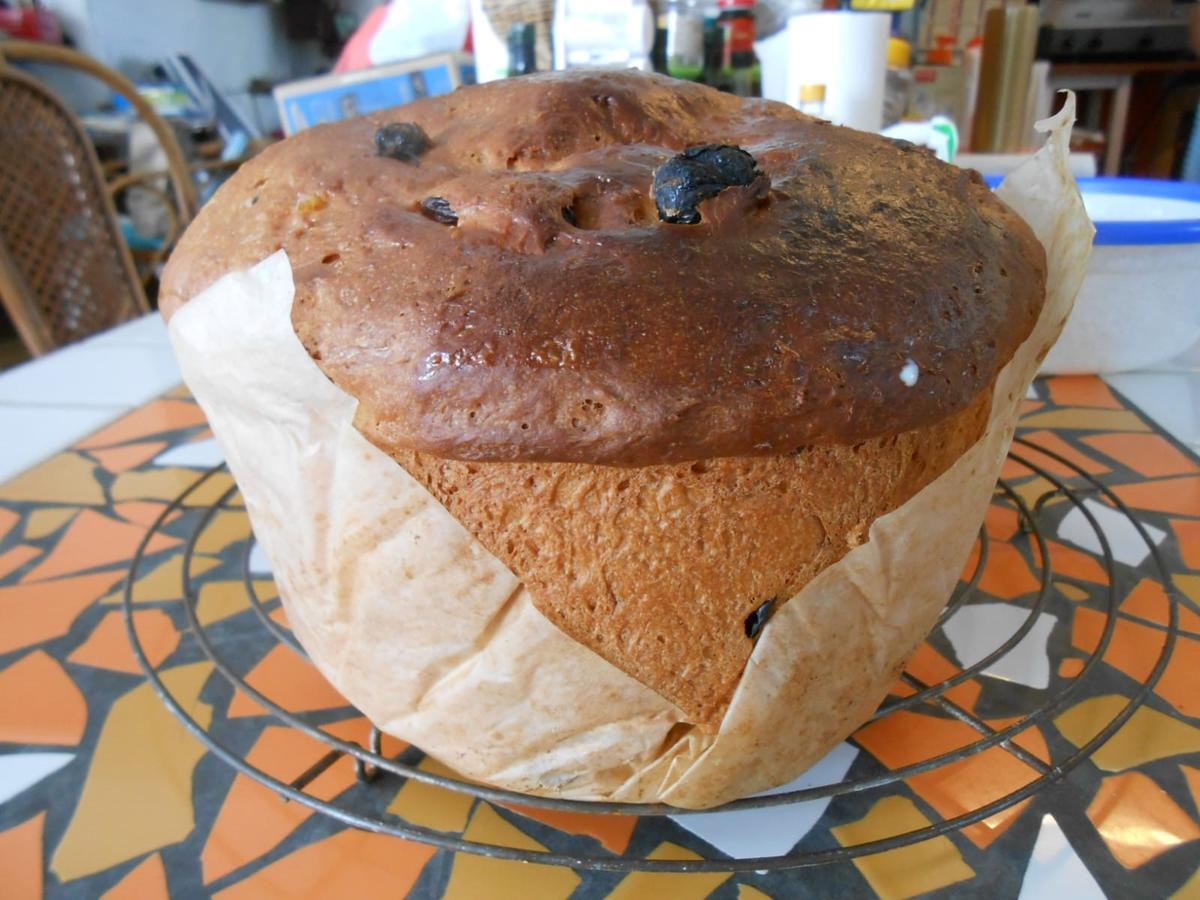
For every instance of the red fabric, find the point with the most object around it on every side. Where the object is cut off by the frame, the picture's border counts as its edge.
(357, 52)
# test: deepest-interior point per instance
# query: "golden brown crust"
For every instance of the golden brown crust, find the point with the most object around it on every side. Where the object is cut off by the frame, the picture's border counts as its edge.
(782, 320)
(657, 568)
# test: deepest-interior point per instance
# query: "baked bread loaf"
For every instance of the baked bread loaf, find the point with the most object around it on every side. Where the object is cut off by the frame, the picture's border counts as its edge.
(666, 353)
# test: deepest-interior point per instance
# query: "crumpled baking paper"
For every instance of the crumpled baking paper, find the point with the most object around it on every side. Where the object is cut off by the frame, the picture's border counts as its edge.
(438, 643)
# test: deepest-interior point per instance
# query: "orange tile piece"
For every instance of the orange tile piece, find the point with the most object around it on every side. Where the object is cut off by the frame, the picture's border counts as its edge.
(971, 563)
(292, 682)
(1188, 534)
(1006, 574)
(151, 419)
(40, 704)
(1028, 406)
(30, 613)
(107, 647)
(351, 863)
(142, 512)
(254, 819)
(15, 557)
(981, 778)
(1074, 563)
(1082, 390)
(613, 832)
(1012, 470)
(21, 859)
(1178, 496)
(1138, 820)
(1002, 522)
(93, 540)
(905, 737)
(1134, 650)
(1149, 601)
(145, 881)
(1055, 444)
(1151, 455)
(1192, 777)
(130, 456)
(932, 668)
(1069, 668)
(8, 519)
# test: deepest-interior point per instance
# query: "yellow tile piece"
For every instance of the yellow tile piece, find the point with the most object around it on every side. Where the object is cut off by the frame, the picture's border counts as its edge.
(745, 892)
(1074, 419)
(429, 806)
(169, 483)
(164, 582)
(223, 529)
(905, 871)
(652, 885)
(1070, 591)
(267, 590)
(179, 393)
(1189, 584)
(1190, 889)
(66, 478)
(1147, 736)
(47, 520)
(221, 599)
(480, 876)
(138, 793)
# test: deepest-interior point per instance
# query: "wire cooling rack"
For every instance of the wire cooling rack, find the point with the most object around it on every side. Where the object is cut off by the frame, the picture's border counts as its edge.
(355, 809)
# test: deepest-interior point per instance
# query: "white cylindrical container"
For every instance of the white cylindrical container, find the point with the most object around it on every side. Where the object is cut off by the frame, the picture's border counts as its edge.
(1140, 300)
(846, 53)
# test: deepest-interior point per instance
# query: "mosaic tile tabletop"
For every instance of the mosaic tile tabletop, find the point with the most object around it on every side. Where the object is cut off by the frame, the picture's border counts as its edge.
(103, 793)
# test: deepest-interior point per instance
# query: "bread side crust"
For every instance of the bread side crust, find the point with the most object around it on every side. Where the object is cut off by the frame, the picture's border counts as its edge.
(658, 568)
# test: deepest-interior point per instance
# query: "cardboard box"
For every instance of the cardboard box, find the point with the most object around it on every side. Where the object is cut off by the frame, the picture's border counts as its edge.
(331, 98)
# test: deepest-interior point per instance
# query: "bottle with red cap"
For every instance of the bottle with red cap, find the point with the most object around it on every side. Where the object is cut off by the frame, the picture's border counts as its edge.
(740, 72)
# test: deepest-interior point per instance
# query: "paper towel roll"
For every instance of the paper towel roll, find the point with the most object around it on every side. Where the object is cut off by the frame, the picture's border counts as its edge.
(846, 53)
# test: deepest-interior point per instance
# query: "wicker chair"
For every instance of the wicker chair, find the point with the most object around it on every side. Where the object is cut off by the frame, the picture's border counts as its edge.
(65, 270)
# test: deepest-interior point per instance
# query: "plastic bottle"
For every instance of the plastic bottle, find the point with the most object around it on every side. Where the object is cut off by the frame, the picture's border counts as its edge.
(683, 21)
(739, 65)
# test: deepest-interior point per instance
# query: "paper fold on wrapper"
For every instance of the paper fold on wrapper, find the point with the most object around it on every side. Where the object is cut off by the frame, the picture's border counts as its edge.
(437, 642)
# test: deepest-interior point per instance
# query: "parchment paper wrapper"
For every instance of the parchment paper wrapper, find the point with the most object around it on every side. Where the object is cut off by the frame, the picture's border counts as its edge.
(437, 642)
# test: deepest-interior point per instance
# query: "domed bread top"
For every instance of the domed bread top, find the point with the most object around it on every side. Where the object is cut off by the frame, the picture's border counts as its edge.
(620, 268)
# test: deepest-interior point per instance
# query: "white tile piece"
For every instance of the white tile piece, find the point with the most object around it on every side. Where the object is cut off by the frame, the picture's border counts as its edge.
(1123, 538)
(92, 376)
(975, 631)
(1031, 392)
(773, 830)
(19, 771)
(1055, 871)
(195, 455)
(259, 564)
(29, 434)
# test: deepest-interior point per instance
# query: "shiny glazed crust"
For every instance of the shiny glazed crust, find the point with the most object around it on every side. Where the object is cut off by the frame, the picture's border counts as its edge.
(561, 321)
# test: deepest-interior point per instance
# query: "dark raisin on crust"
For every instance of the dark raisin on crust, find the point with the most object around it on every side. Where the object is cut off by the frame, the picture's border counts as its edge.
(757, 619)
(405, 141)
(697, 174)
(440, 210)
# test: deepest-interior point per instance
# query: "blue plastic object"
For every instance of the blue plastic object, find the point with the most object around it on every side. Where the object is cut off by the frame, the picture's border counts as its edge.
(1122, 233)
